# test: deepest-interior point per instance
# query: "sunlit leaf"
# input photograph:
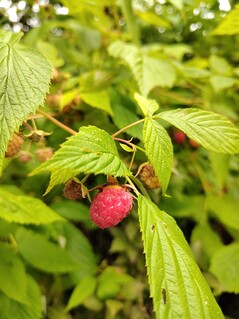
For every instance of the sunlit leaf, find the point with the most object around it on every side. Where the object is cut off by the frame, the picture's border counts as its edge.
(92, 150)
(148, 107)
(213, 131)
(177, 286)
(159, 149)
(149, 72)
(24, 209)
(24, 81)
(230, 24)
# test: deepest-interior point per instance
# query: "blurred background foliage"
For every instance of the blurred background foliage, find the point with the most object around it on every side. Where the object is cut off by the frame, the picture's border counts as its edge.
(102, 273)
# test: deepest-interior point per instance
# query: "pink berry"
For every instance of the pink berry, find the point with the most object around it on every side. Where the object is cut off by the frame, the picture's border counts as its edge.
(179, 137)
(110, 206)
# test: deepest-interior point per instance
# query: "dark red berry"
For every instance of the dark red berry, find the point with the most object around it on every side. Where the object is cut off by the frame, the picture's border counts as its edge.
(179, 137)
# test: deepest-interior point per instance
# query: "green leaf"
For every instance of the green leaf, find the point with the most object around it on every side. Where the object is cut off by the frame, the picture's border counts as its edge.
(153, 18)
(24, 209)
(82, 291)
(148, 72)
(13, 279)
(92, 150)
(33, 310)
(184, 206)
(43, 254)
(110, 282)
(50, 52)
(220, 166)
(125, 114)
(59, 176)
(225, 266)
(79, 249)
(148, 107)
(177, 3)
(159, 149)
(73, 210)
(98, 99)
(230, 24)
(213, 131)
(208, 238)
(220, 83)
(220, 65)
(225, 208)
(177, 286)
(24, 81)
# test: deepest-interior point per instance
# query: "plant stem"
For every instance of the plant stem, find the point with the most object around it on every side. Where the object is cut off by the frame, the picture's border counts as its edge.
(139, 185)
(127, 127)
(129, 143)
(58, 123)
(129, 16)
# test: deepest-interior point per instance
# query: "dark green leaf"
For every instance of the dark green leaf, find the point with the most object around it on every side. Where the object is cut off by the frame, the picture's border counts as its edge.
(12, 309)
(13, 279)
(43, 254)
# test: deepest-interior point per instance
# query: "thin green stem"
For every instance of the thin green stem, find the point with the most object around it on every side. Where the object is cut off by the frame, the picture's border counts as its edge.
(130, 19)
(129, 143)
(34, 125)
(127, 127)
(132, 159)
(12, 241)
(132, 180)
(58, 123)
(132, 185)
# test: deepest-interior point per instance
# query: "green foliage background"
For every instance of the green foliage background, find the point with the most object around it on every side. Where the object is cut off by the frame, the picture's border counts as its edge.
(166, 66)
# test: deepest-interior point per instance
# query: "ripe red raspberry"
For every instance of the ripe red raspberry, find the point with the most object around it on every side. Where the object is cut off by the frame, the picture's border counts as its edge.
(110, 206)
(179, 137)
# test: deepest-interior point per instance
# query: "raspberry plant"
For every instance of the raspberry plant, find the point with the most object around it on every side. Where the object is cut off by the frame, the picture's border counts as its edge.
(111, 127)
